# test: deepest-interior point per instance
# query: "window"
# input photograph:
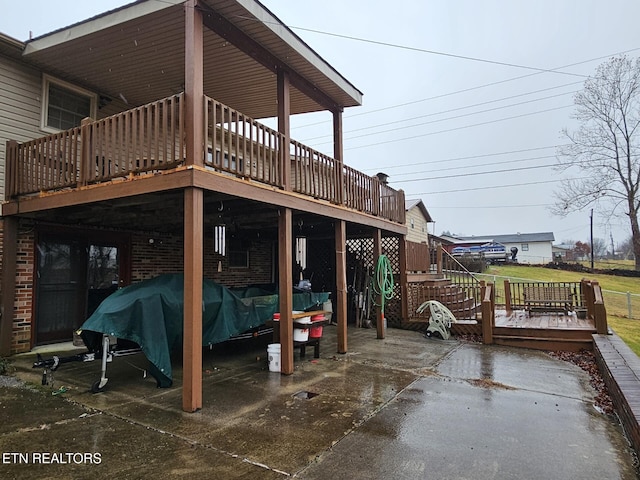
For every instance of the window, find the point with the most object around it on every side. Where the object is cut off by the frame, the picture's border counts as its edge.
(64, 105)
(238, 257)
(412, 225)
(525, 247)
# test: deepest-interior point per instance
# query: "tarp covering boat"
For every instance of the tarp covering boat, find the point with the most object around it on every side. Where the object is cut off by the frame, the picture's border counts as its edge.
(150, 313)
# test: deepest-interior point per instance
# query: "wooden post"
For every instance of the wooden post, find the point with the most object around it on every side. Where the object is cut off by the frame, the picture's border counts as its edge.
(193, 261)
(193, 211)
(86, 160)
(404, 297)
(599, 310)
(587, 291)
(193, 87)
(10, 182)
(285, 288)
(487, 314)
(338, 155)
(377, 252)
(439, 259)
(284, 126)
(9, 251)
(341, 283)
(507, 296)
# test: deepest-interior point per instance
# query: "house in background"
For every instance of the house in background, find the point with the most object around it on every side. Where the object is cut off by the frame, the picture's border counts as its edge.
(130, 147)
(533, 248)
(418, 219)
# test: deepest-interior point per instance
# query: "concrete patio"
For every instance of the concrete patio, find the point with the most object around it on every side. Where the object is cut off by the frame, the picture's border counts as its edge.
(405, 407)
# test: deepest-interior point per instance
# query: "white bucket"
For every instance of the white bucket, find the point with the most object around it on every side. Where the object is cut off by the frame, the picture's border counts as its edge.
(300, 334)
(328, 307)
(273, 352)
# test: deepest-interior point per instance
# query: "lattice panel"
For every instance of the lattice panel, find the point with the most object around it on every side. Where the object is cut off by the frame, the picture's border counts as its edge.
(321, 265)
(393, 308)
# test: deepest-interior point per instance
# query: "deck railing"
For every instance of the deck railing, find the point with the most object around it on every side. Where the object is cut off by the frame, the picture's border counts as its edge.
(151, 138)
(241, 146)
(550, 295)
(146, 138)
(488, 312)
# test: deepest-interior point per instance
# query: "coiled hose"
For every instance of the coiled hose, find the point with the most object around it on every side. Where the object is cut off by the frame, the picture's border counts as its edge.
(383, 281)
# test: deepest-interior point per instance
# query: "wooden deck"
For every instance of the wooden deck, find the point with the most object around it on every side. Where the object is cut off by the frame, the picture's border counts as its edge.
(620, 368)
(541, 320)
(150, 140)
(543, 330)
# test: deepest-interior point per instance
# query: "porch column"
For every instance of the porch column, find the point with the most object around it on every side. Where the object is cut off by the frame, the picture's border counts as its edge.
(193, 260)
(9, 250)
(377, 252)
(402, 260)
(193, 84)
(284, 126)
(341, 283)
(285, 289)
(338, 155)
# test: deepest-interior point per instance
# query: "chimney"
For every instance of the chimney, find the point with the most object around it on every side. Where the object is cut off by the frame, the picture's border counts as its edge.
(383, 178)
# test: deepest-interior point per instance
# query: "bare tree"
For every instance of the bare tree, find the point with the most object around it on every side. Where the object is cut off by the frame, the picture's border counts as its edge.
(603, 152)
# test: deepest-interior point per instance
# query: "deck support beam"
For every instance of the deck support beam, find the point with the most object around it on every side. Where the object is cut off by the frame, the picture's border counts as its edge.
(193, 211)
(284, 126)
(338, 148)
(193, 265)
(377, 253)
(9, 251)
(194, 84)
(285, 288)
(403, 280)
(341, 283)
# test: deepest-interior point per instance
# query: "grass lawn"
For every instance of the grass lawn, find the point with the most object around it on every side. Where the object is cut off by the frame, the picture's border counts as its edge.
(614, 288)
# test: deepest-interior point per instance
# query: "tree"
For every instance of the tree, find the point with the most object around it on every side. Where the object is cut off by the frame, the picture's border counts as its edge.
(582, 250)
(604, 150)
(599, 248)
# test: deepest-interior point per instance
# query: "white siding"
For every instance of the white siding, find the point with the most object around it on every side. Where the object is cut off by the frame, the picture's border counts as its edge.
(21, 105)
(539, 253)
(20, 92)
(419, 233)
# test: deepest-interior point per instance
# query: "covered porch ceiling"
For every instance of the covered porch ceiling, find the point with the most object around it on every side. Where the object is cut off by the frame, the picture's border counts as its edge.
(136, 53)
(141, 213)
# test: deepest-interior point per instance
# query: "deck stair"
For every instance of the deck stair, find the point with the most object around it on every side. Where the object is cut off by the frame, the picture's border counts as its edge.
(436, 287)
(553, 330)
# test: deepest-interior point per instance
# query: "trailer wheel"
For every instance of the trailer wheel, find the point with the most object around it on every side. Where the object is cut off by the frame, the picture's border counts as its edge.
(96, 388)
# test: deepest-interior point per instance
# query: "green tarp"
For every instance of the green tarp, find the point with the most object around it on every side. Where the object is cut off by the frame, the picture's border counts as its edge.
(150, 313)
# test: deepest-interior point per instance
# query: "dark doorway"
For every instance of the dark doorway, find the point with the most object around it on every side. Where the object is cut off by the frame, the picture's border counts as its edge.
(73, 276)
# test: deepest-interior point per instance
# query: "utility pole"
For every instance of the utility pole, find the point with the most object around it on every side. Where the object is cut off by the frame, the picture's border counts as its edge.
(613, 250)
(591, 217)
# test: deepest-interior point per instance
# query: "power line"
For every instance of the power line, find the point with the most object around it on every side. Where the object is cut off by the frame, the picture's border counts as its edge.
(474, 174)
(477, 165)
(458, 128)
(482, 207)
(438, 120)
(435, 52)
(465, 90)
(454, 159)
(491, 187)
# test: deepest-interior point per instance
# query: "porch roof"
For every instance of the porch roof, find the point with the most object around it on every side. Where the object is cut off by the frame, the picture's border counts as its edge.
(136, 53)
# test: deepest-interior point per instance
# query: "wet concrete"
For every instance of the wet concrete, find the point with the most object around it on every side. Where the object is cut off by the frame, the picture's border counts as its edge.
(403, 407)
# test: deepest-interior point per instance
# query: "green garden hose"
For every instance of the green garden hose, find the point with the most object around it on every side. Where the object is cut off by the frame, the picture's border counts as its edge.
(383, 281)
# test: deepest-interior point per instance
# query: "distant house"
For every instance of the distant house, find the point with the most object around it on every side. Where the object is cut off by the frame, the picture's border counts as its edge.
(417, 219)
(533, 248)
(564, 252)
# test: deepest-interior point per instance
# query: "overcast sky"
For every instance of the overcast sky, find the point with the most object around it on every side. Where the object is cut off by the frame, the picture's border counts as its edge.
(474, 139)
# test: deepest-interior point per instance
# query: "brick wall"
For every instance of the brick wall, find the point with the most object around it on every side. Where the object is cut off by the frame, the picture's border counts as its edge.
(23, 306)
(164, 255)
